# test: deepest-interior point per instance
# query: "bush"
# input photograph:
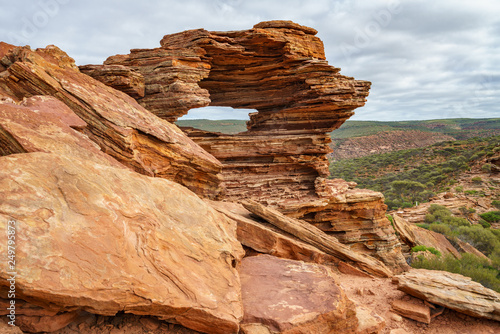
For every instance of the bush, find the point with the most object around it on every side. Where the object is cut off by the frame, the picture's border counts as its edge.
(491, 216)
(422, 248)
(471, 192)
(495, 203)
(486, 168)
(477, 179)
(483, 239)
(459, 189)
(484, 223)
(468, 265)
(441, 228)
(426, 226)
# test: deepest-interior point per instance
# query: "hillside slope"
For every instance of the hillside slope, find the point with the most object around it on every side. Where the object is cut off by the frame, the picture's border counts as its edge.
(356, 139)
(386, 141)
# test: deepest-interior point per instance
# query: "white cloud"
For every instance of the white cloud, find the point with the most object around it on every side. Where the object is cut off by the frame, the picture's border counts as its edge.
(425, 59)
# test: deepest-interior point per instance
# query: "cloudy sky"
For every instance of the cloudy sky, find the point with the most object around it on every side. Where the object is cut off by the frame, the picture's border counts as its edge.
(426, 59)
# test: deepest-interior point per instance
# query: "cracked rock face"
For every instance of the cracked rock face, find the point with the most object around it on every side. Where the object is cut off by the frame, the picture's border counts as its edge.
(104, 240)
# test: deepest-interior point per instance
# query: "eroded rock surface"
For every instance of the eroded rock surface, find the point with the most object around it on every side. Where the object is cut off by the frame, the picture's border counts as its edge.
(294, 297)
(105, 240)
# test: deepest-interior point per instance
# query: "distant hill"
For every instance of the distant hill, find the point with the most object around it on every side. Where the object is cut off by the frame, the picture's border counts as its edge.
(230, 126)
(356, 139)
(458, 128)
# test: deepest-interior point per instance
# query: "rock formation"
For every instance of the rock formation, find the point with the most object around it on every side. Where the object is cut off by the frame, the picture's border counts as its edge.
(116, 122)
(453, 291)
(120, 212)
(279, 69)
(105, 240)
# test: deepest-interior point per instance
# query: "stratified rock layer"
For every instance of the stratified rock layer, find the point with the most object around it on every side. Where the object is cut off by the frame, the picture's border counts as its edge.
(279, 69)
(106, 240)
(115, 121)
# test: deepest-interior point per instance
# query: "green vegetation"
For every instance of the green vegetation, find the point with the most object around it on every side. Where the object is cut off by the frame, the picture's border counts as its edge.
(421, 248)
(491, 217)
(229, 126)
(477, 179)
(496, 203)
(478, 269)
(409, 176)
(487, 272)
(460, 128)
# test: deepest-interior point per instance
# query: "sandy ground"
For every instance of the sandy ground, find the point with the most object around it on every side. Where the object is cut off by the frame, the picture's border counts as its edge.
(378, 293)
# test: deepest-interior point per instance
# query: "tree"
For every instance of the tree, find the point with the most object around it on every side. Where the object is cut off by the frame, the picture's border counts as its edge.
(407, 190)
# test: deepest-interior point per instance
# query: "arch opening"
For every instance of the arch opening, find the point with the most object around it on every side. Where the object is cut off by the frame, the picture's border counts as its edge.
(216, 119)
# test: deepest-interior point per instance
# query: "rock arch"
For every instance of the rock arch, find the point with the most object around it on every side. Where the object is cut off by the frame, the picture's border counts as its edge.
(278, 68)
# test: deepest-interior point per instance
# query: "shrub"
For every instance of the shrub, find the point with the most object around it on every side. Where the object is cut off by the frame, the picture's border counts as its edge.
(459, 189)
(477, 179)
(484, 223)
(486, 168)
(496, 203)
(422, 248)
(483, 239)
(426, 226)
(471, 192)
(441, 228)
(491, 216)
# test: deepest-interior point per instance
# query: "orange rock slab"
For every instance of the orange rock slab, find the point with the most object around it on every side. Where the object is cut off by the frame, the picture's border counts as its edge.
(108, 240)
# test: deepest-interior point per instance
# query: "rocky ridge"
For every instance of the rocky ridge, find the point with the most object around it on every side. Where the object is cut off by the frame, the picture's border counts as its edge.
(117, 212)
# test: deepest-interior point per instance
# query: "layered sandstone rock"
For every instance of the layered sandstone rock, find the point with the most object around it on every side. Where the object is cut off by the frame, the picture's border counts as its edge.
(294, 297)
(119, 77)
(45, 124)
(453, 291)
(115, 121)
(105, 240)
(279, 69)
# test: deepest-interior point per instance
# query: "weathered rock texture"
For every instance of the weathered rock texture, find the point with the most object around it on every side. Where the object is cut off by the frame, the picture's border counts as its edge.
(118, 77)
(116, 122)
(105, 240)
(453, 291)
(279, 69)
(45, 124)
(294, 297)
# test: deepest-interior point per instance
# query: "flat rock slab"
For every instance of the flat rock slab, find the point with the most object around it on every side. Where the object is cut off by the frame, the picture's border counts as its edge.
(413, 311)
(108, 240)
(453, 291)
(292, 296)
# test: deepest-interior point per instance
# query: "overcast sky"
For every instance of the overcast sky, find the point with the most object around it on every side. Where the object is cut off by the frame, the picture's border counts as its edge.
(425, 59)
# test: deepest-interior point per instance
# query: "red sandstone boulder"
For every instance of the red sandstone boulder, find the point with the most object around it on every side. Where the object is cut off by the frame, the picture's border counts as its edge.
(105, 240)
(294, 297)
